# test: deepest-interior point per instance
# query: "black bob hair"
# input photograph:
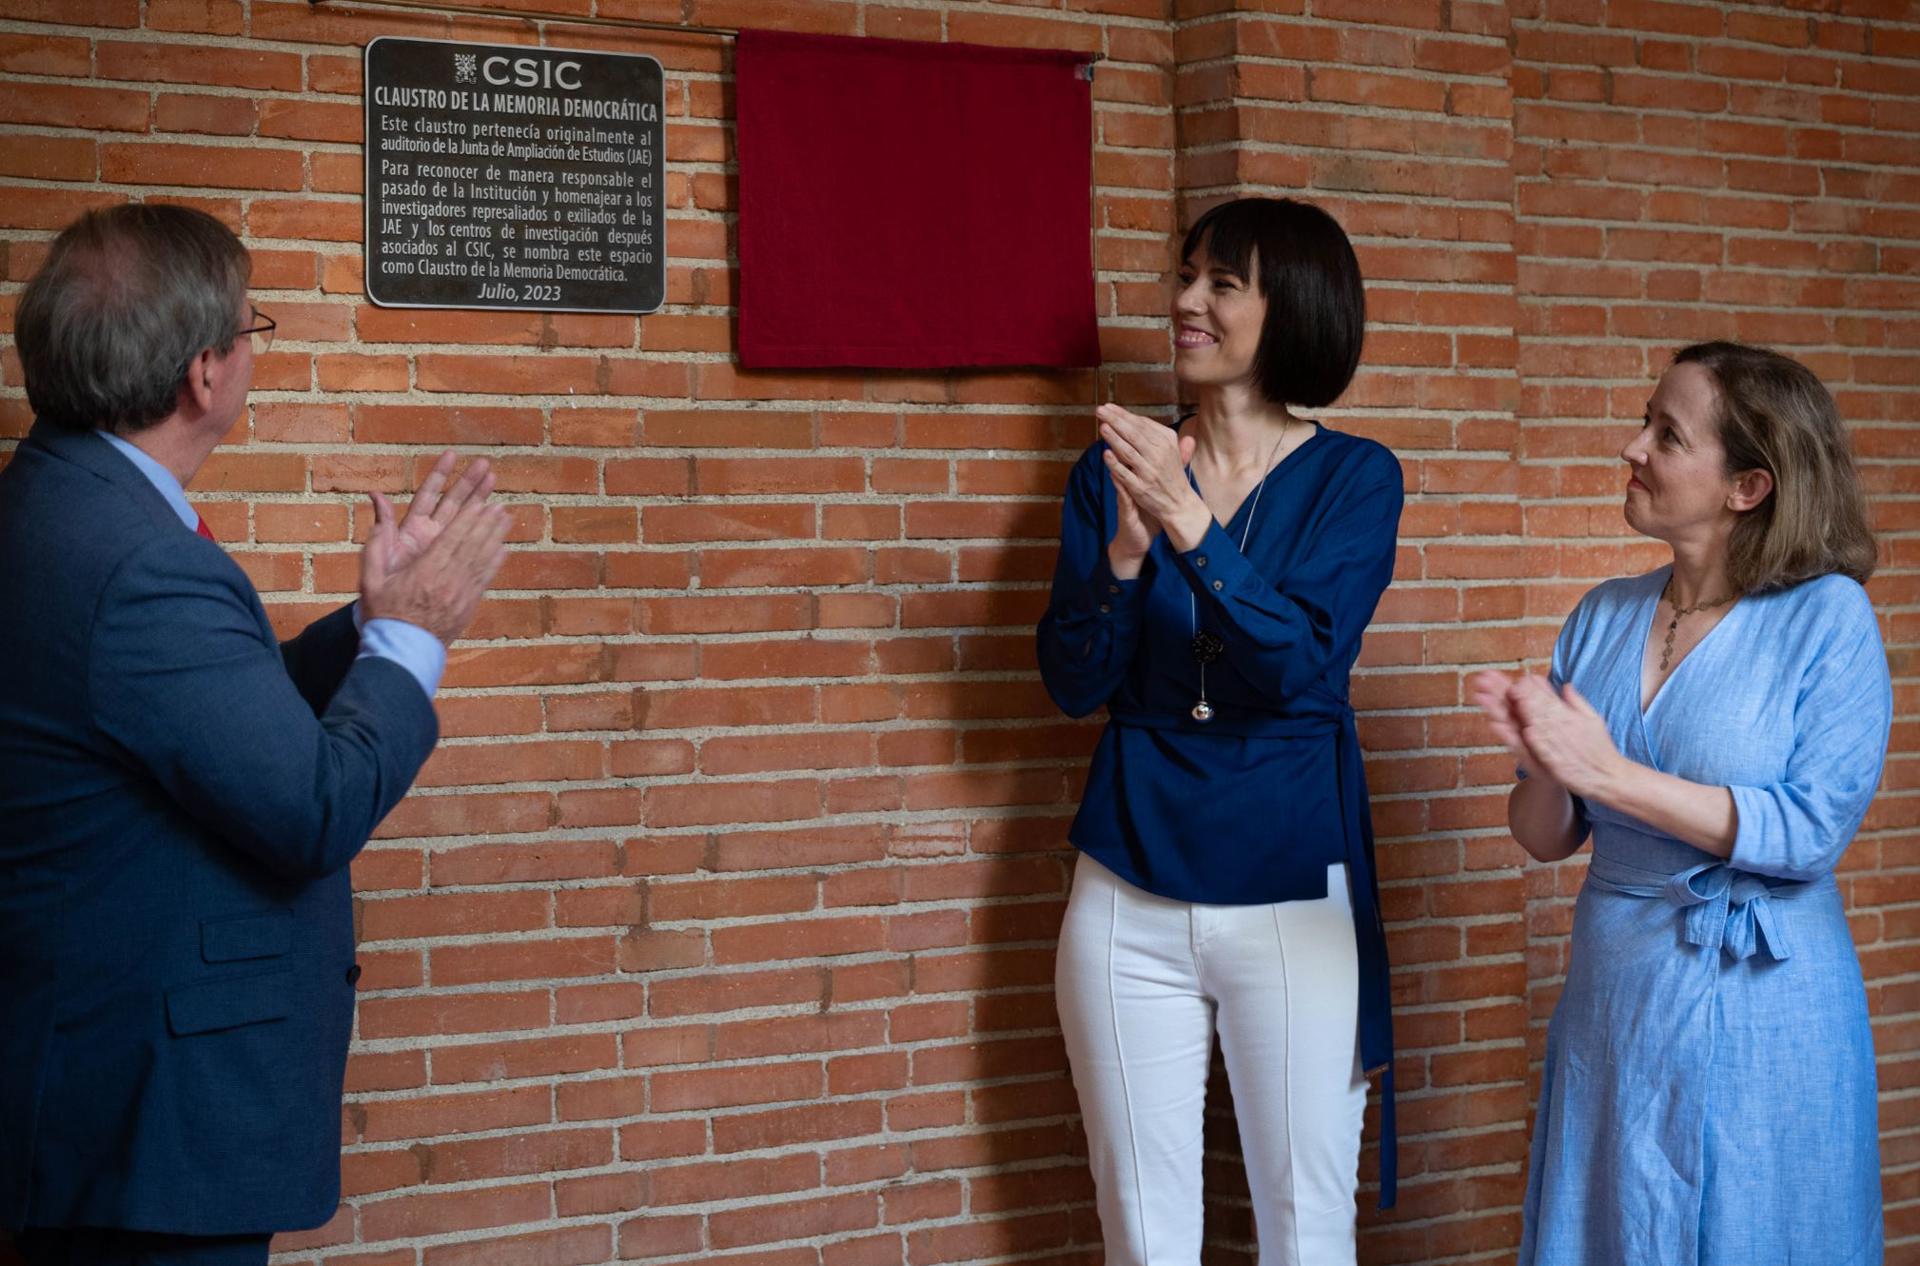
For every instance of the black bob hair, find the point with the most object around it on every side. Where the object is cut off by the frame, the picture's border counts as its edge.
(1316, 302)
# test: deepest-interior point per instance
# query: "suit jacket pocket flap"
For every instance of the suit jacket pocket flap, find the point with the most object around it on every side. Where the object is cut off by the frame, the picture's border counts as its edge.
(228, 1004)
(247, 936)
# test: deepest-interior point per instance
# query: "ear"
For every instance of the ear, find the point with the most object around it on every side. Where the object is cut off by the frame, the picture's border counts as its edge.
(203, 372)
(1750, 488)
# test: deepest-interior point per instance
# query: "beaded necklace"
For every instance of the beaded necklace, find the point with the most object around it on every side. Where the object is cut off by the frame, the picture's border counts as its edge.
(1673, 625)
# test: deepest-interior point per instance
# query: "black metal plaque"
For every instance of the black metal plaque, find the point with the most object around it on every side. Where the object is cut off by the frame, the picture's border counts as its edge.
(502, 176)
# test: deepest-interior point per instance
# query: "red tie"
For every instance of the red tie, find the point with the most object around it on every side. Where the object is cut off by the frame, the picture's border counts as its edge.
(201, 529)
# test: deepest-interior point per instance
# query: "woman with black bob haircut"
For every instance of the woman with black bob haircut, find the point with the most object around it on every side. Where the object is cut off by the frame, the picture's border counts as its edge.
(1213, 584)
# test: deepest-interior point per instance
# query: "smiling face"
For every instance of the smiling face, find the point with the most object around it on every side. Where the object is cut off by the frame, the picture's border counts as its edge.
(1218, 317)
(1678, 486)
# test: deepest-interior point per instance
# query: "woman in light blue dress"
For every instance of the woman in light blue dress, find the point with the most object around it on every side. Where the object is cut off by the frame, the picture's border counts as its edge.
(1718, 727)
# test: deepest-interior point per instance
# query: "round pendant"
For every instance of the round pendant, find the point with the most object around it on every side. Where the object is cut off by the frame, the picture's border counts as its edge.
(1203, 712)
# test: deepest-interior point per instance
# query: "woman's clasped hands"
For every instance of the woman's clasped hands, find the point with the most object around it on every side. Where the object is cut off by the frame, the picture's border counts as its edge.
(1148, 465)
(1552, 734)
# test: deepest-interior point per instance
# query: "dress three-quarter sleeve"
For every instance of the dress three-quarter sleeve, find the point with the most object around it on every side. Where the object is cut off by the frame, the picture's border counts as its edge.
(1559, 672)
(1092, 625)
(1798, 827)
(1284, 631)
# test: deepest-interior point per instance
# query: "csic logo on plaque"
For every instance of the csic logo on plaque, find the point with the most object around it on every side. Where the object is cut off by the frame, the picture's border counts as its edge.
(500, 176)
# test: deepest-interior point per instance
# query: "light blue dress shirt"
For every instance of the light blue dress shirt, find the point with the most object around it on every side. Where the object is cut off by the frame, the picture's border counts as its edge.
(408, 645)
(1708, 1096)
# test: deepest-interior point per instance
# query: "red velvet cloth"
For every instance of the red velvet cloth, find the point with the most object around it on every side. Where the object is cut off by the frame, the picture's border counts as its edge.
(913, 205)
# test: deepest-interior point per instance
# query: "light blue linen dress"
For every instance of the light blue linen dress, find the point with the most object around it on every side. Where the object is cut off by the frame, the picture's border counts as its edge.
(1708, 1097)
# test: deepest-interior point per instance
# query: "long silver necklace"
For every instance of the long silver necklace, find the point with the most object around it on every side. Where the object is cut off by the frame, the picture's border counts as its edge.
(1207, 646)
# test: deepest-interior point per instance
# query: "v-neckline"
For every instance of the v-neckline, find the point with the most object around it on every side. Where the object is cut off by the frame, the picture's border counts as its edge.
(1649, 618)
(1226, 524)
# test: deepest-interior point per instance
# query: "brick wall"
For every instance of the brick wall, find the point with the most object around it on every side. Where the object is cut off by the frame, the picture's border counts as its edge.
(720, 927)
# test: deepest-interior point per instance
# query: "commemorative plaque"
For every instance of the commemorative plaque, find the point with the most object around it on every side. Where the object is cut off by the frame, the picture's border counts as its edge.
(504, 176)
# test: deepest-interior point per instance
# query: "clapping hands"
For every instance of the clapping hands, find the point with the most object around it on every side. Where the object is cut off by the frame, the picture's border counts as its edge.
(1552, 734)
(434, 506)
(1148, 465)
(432, 567)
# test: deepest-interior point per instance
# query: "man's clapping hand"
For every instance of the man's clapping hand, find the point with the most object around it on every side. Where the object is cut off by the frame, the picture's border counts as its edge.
(435, 504)
(432, 568)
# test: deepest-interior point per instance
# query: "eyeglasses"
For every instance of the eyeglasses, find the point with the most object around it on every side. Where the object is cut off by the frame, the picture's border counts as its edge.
(261, 332)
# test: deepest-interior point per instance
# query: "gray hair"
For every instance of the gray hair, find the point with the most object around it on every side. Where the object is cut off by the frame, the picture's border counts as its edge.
(127, 297)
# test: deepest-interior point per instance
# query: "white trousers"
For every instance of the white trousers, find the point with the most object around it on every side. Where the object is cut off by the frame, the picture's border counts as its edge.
(1142, 982)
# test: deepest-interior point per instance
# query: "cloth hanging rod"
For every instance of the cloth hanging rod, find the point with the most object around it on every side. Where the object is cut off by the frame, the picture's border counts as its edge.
(475, 11)
(635, 24)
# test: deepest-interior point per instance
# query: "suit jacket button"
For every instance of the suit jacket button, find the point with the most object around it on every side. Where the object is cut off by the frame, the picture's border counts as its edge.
(353, 974)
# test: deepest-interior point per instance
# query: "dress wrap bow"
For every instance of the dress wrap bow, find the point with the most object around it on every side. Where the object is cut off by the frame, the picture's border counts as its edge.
(1725, 908)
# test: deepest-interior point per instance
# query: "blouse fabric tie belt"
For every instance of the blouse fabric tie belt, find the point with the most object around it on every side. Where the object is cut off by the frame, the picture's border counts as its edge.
(1724, 908)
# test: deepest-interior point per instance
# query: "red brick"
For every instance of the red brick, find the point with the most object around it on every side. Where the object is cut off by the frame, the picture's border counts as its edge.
(48, 158)
(63, 105)
(386, 1120)
(417, 1215)
(191, 64)
(44, 55)
(575, 1246)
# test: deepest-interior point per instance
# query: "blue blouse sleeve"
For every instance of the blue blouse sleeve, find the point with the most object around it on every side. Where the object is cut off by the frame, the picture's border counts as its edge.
(1798, 827)
(1559, 670)
(1092, 625)
(1285, 632)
